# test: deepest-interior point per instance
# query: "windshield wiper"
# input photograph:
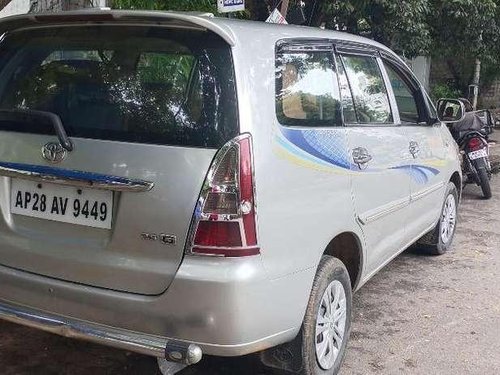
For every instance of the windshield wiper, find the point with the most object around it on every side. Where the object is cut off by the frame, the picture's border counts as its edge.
(23, 115)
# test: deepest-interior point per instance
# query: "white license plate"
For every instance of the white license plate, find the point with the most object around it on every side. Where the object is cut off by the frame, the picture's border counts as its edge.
(478, 154)
(67, 204)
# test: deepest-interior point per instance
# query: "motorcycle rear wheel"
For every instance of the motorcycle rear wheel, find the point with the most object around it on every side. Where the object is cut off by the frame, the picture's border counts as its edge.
(484, 182)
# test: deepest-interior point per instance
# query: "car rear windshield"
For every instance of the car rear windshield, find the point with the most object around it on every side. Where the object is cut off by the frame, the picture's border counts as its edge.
(133, 84)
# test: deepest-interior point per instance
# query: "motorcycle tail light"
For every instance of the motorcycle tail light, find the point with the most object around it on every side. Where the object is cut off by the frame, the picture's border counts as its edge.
(475, 144)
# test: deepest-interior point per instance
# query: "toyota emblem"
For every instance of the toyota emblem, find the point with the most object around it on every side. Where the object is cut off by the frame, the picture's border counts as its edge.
(53, 152)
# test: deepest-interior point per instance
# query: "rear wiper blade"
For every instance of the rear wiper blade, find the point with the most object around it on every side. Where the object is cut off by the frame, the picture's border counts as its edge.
(30, 114)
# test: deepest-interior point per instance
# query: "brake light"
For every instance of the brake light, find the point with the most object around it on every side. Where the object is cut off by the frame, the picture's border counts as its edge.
(224, 219)
(475, 144)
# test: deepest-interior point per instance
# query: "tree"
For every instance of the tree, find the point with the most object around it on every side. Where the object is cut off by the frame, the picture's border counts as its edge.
(255, 9)
(184, 5)
(401, 25)
(465, 34)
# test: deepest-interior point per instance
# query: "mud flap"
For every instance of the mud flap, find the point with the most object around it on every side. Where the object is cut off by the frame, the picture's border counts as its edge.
(170, 368)
(287, 357)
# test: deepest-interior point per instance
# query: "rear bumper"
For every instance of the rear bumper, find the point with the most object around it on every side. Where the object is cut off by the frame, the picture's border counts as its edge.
(139, 343)
(227, 307)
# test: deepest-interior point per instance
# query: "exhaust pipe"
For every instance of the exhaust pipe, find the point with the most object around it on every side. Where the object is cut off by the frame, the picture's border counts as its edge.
(181, 352)
(178, 355)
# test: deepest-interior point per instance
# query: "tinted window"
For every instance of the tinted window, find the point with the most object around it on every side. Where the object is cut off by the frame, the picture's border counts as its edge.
(306, 89)
(368, 89)
(134, 84)
(405, 100)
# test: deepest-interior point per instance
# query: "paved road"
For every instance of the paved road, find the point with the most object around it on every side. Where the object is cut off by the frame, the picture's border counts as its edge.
(420, 315)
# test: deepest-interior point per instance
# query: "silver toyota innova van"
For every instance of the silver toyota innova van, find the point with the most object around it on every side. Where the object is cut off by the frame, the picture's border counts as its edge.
(177, 184)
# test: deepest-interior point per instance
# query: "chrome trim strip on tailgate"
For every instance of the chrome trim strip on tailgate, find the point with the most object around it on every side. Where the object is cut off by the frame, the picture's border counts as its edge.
(109, 336)
(73, 178)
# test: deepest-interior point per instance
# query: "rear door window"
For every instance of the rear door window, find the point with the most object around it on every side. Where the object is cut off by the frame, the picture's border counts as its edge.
(405, 96)
(369, 94)
(134, 84)
(307, 92)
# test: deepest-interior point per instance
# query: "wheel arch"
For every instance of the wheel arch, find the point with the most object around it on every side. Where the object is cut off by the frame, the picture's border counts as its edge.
(347, 247)
(456, 179)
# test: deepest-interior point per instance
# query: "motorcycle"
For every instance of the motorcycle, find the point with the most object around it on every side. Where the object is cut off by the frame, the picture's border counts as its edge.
(476, 162)
(488, 121)
(470, 129)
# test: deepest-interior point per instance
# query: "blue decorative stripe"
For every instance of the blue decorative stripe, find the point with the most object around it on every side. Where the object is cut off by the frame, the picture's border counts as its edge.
(290, 147)
(420, 173)
(325, 145)
(328, 147)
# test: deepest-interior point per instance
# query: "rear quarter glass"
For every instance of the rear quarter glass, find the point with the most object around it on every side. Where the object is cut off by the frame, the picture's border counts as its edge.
(132, 84)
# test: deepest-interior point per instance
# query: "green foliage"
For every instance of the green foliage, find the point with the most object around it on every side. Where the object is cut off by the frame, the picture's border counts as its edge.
(466, 28)
(402, 25)
(463, 30)
(180, 5)
(455, 31)
(166, 68)
(175, 5)
(439, 91)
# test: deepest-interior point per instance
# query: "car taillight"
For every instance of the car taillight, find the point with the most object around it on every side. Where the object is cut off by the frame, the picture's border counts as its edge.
(475, 144)
(224, 222)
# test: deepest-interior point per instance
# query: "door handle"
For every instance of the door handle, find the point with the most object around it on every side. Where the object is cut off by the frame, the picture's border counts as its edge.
(361, 157)
(414, 149)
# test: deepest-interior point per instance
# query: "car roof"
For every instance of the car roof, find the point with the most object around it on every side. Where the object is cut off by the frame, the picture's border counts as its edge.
(231, 30)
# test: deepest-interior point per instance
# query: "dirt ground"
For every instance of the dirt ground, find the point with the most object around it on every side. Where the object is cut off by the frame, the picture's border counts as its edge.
(420, 315)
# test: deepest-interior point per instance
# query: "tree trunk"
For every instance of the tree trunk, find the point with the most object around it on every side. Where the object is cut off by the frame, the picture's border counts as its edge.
(284, 7)
(459, 81)
(58, 5)
(475, 82)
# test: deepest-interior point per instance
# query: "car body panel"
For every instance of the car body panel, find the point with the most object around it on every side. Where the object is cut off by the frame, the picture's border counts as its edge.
(120, 259)
(430, 166)
(227, 314)
(382, 189)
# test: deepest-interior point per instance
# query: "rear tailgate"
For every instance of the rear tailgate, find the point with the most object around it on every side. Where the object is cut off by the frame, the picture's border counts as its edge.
(146, 108)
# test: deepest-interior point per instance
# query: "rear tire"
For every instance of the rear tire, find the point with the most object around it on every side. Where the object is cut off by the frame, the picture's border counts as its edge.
(484, 181)
(438, 241)
(327, 323)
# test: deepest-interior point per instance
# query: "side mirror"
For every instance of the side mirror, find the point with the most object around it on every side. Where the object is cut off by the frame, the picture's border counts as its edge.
(450, 110)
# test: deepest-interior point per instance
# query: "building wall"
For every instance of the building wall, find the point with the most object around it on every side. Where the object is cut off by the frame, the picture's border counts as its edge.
(421, 67)
(490, 98)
